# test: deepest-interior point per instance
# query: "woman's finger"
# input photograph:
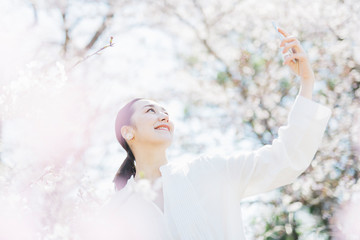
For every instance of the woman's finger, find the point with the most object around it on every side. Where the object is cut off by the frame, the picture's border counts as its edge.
(294, 45)
(287, 40)
(296, 56)
(283, 32)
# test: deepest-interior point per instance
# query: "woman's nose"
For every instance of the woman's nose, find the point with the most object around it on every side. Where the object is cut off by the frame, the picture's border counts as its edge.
(163, 116)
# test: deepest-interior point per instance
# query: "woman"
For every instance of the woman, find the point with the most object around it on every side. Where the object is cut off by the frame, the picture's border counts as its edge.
(199, 198)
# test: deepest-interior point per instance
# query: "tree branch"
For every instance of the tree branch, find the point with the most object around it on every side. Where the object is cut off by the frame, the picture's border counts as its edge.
(100, 30)
(111, 44)
(67, 36)
(34, 8)
(203, 41)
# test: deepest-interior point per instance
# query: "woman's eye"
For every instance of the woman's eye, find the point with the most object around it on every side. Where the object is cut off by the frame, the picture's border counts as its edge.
(150, 109)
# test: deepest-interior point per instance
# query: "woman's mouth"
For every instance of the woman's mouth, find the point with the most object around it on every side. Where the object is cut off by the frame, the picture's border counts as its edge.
(163, 127)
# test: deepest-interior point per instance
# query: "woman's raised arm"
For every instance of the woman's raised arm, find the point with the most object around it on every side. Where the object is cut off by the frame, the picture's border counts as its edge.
(289, 155)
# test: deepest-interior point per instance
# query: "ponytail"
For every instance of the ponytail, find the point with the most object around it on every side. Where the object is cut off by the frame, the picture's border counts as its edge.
(126, 170)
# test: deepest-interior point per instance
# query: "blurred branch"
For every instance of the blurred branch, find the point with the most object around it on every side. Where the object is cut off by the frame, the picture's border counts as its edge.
(111, 44)
(200, 9)
(34, 8)
(224, 13)
(202, 40)
(47, 171)
(101, 29)
(341, 25)
(67, 30)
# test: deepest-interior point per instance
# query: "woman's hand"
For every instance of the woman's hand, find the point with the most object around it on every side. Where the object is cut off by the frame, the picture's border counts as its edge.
(302, 66)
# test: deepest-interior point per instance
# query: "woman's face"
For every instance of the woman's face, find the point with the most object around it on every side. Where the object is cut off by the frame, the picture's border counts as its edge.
(151, 123)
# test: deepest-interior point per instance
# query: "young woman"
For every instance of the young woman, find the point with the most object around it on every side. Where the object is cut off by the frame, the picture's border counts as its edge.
(200, 198)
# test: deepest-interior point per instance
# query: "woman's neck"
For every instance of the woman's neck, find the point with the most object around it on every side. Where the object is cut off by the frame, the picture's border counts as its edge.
(148, 163)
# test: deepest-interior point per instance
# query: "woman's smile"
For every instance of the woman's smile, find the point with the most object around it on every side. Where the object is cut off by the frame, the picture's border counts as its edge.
(163, 127)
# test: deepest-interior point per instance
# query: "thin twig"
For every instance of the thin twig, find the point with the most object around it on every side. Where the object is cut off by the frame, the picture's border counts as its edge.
(100, 31)
(111, 44)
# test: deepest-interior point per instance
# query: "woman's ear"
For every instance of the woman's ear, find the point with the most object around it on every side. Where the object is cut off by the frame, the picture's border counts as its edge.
(126, 133)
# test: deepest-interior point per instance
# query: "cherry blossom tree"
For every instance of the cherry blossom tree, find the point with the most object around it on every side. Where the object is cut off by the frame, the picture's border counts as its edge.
(215, 64)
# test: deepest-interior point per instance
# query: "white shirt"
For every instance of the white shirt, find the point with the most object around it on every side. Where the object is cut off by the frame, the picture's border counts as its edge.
(202, 195)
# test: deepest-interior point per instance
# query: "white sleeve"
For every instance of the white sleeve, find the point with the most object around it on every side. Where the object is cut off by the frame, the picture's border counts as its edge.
(287, 157)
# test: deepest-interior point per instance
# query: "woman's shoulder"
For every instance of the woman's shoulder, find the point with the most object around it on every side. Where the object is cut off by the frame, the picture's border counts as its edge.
(215, 156)
(185, 161)
(203, 160)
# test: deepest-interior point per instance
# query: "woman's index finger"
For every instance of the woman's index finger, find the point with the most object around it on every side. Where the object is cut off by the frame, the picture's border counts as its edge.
(282, 31)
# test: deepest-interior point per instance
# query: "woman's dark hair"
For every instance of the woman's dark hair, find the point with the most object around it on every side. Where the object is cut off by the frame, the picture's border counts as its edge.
(127, 168)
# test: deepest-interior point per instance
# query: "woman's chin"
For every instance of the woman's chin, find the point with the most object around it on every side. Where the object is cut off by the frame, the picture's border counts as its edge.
(166, 141)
